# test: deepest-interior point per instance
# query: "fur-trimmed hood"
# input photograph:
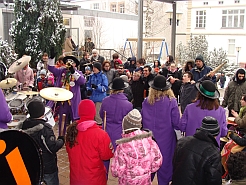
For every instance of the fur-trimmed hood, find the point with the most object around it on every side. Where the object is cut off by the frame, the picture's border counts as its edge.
(132, 136)
(30, 126)
(136, 144)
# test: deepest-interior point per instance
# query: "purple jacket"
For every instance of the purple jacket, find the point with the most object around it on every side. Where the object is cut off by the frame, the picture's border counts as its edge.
(162, 118)
(5, 115)
(193, 116)
(75, 89)
(116, 107)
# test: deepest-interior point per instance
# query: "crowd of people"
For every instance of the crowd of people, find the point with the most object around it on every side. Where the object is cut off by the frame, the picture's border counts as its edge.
(127, 113)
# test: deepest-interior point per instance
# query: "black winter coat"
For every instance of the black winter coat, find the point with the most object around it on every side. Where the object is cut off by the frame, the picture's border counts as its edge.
(137, 92)
(43, 134)
(197, 161)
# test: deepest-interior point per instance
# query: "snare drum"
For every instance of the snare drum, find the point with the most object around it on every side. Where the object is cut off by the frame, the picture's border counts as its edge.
(11, 97)
(16, 106)
(17, 119)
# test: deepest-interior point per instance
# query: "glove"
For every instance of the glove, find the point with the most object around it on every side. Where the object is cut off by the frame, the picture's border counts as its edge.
(52, 52)
(93, 86)
(62, 138)
(34, 89)
(71, 69)
(30, 87)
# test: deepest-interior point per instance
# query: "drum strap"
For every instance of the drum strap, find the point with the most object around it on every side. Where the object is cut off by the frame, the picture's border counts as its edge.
(42, 137)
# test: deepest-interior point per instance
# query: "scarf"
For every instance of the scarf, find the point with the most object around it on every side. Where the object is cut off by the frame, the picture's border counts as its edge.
(241, 111)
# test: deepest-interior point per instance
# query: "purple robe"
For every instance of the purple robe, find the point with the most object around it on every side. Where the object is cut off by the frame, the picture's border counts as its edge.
(5, 115)
(162, 118)
(193, 116)
(117, 107)
(65, 107)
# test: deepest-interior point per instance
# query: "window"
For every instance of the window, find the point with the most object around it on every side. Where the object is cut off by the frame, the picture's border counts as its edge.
(113, 7)
(201, 19)
(237, 1)
(232, 18)
(89, 21)
(121, 8)
(96, 6)
(221, 2)
(231, 46)
(66, 21)
(205, 3)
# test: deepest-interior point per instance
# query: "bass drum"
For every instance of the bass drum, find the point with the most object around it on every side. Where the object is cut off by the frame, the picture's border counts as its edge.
(34, 98)
(20, 159)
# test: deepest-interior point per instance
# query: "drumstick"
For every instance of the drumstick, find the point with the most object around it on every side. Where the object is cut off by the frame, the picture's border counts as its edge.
(104, 121)
(62, 124)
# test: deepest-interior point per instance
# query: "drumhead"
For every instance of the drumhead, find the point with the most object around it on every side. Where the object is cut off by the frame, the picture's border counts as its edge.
(30, 154)
(16, 103)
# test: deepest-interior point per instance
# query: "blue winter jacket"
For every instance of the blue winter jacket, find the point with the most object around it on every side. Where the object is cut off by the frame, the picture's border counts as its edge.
(101, 81)
(197, 74)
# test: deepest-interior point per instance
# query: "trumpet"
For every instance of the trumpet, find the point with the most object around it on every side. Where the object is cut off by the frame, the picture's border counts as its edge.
(69, 64)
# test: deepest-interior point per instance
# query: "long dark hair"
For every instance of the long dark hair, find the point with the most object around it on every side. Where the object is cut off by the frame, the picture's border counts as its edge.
(206, 103)
(71, 135)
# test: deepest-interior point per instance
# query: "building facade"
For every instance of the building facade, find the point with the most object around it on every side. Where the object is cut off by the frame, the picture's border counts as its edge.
(223, 23)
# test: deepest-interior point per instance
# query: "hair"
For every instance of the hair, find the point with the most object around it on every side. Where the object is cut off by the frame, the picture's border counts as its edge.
(206, 103)
(116, 91)
(236, 165)
(115, 56)
(45, 54)
(159, 64)
(137, 73)
(170, 60)
(60, 58)
(244, 97)
(141, 61)
(85, 54)
(71, 135)
(149, 68)
(186, 68)
(190, 75)
(155, 95)
(105, 62)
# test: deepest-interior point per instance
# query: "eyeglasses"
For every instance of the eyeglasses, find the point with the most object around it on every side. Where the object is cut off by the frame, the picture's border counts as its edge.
(120, 68)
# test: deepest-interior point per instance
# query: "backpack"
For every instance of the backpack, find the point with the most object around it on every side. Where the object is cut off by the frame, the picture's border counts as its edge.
(2, 71)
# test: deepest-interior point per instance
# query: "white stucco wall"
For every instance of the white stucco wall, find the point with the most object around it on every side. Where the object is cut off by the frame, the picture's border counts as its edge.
(216, 35)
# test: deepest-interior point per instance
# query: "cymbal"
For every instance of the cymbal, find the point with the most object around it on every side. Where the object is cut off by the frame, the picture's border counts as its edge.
(56, 94)
(8, 83)
(28, 93)
(19, 64)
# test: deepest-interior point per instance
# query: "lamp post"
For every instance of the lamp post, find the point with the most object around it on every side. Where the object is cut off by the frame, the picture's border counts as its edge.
(174, 18)
(238, 48)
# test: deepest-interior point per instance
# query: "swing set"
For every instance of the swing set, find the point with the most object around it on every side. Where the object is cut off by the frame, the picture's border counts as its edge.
(147, 39)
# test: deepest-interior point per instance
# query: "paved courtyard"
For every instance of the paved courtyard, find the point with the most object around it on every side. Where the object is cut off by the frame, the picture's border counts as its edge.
(63, 163)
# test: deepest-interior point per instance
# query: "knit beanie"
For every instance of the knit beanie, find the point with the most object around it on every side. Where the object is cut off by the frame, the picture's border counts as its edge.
(86, 110)
(43, 72)
(36, 109)
(98, 66)
(200, 57)
(125, 78)
(132, 121)
(51, 78)
(87, 68)
(210, 124)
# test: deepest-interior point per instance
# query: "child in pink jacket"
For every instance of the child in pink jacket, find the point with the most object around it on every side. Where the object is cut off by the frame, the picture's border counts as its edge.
(137, 154)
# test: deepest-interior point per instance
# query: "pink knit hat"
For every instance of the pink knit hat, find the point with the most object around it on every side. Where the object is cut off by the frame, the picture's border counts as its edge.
(51, 78)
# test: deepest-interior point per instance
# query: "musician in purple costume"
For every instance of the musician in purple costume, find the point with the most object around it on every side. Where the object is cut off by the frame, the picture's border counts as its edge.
(70, 79)
(5, 115)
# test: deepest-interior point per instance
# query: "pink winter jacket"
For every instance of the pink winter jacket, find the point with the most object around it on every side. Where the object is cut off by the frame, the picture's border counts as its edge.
(136, 157)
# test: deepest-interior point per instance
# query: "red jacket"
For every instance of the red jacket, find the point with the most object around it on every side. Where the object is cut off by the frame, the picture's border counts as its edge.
(86, 157)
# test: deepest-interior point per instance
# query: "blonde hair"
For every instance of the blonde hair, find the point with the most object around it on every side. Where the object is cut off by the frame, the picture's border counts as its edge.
(116, 91)
(155, 95)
